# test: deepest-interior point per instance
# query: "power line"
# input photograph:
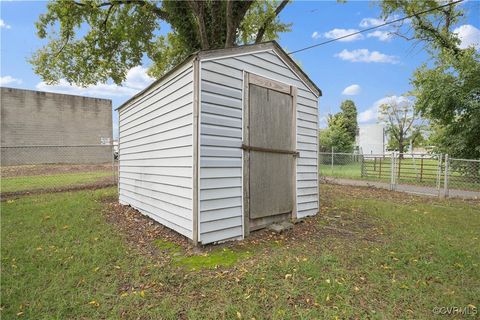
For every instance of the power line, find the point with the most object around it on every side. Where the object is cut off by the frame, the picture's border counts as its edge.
(376, 27)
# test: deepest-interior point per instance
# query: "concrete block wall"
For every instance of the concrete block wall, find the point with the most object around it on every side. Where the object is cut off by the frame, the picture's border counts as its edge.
(33, 118)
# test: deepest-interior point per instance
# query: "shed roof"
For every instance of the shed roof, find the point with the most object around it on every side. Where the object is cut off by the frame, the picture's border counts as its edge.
(245, 49)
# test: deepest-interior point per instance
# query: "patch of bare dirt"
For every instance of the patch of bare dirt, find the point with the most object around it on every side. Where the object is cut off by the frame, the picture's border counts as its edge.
(49, 169)
(141, 231)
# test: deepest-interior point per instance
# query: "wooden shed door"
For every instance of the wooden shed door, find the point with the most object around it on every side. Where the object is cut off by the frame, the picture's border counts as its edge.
(271, 152)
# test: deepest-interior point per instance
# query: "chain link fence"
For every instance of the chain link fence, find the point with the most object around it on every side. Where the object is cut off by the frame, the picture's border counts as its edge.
(36, 169)
(434, 174)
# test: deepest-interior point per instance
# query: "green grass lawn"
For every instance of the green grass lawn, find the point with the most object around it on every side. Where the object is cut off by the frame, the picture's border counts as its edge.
(361, 257)
(352, 170)
(55, 181)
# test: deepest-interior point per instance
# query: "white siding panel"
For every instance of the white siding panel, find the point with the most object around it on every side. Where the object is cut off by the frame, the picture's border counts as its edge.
(171, 183)
(221, 139)
(212, 194)
(222, 235)
(223, 213)
(156, 213)
(307, 191)
(221, 110)
(155, 136)
(221, 224)
(156, 152)
(217, 183)
(221, 173)
(215, 130)
(184, 172)
(149, 102)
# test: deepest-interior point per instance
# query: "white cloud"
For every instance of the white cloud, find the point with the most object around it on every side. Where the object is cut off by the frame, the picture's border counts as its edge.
(316, 35)
(381, 35)
(352, 90)
(9, 80)
(137, 79)
(364, 55)
(371, 22)
(372, 113)
(367, 115)
(336, 33)
(4, 25)
(469, 36)
(323, 122)
(375, 22)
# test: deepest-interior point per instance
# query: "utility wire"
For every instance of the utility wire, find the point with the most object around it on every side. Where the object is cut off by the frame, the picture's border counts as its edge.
(376, 27)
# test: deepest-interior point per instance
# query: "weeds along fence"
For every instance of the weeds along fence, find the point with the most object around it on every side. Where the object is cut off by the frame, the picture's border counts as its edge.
(36, 169)
(437, 173)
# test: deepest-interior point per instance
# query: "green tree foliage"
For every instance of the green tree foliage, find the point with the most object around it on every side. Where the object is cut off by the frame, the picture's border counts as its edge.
(91, 41)
(342, 129)
(349, 113)
(449, 94)
(447, 90)
(417, 139)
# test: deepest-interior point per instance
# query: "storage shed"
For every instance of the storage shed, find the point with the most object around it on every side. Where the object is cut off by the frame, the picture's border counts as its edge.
(223, 144)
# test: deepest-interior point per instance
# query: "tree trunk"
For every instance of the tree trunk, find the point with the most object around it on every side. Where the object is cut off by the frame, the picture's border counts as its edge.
(237, 10)
(401, 146)
(198, 10)
(231, 32)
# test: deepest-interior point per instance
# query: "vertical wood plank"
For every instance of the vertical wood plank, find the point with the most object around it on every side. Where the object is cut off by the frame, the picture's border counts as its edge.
(196, 162)
(293, 93)
(246, 156)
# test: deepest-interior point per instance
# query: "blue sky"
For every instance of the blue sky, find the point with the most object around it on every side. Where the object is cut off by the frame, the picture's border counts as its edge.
(369, 67)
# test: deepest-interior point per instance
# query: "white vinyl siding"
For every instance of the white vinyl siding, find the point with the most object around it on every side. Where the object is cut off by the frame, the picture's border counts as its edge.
(220, 210)
(156, 152)
(221, 134)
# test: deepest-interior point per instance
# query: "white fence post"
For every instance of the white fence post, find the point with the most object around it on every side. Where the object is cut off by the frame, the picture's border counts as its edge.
(392, 171)
(332, 161)
(439, 172)
(446, 173)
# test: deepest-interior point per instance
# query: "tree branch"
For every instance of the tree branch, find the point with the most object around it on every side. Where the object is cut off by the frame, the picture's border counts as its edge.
(263, 28)
(445, 43)
(106, 17)
(158, 11)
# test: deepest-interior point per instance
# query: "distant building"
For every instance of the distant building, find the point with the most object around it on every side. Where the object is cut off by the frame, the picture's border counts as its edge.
(42, 127)
(371, 139)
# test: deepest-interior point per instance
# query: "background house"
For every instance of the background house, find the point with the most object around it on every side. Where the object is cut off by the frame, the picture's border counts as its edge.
(371, 139)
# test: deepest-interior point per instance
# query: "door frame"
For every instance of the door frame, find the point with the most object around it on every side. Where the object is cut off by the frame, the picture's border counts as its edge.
(251, 78)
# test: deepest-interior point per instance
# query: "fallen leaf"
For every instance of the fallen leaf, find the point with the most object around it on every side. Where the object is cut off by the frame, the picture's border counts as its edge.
(94, 303)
